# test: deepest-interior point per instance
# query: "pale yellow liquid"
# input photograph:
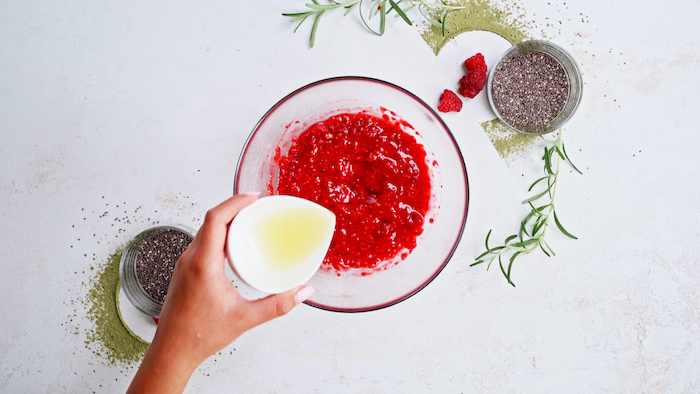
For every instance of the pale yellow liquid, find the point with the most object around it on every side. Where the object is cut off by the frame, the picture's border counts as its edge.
(289, 237)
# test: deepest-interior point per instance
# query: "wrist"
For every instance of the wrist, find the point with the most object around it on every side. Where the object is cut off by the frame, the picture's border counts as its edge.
(176, 352)
(166, 368)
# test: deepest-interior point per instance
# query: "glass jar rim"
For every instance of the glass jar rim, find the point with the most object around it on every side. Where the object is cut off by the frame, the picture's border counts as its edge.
(574, 78)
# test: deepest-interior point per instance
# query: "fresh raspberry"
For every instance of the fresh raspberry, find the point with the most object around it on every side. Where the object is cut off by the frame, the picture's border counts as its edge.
(475, 62)
(449, 102)
(471, 84)
(475, 79)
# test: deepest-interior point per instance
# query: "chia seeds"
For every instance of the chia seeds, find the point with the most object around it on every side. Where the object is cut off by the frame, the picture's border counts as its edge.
(156, 260)
(530, 89)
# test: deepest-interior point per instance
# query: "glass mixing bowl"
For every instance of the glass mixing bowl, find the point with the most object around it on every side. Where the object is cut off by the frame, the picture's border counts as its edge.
(349, 292)
(573, 76)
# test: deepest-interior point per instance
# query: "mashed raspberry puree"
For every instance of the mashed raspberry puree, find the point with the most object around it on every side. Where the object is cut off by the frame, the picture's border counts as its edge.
(372, 175)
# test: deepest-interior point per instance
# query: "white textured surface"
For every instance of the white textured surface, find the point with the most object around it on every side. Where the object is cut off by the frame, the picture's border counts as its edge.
(146, 105)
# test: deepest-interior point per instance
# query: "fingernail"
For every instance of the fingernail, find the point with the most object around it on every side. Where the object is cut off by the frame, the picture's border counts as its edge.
(251, 193)
(304, 294)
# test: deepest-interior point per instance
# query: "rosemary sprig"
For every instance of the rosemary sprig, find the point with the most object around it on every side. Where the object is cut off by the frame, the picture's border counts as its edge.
(434, 13)
(534, 227)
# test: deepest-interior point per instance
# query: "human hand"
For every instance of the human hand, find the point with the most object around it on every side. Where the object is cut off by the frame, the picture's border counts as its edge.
(203, 312)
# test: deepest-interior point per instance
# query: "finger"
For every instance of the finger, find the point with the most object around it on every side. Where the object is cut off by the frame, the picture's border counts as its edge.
(276, 305)
(212, 234)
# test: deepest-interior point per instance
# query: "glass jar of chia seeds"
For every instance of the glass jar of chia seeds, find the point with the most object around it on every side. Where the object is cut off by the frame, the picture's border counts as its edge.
(535, 87)
(147, 265)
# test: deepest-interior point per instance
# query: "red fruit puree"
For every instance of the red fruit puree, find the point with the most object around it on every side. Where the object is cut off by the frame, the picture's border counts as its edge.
(372, 175)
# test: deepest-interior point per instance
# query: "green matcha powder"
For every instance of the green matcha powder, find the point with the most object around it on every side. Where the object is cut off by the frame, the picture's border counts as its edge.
(506, 20)
(108, 337)
(479, 15)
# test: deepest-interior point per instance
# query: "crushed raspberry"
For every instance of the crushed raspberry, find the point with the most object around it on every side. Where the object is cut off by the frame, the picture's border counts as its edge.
(471, 84)
(475, 79)
(449, 102)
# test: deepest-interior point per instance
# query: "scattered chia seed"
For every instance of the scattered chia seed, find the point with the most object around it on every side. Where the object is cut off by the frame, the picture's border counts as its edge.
(156, 260)
(530, 89)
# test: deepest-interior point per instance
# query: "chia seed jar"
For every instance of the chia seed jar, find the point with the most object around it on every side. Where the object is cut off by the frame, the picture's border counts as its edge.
(535, 87)
(147, 264)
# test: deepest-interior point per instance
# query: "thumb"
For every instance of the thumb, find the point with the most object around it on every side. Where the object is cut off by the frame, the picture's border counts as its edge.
(276, 305)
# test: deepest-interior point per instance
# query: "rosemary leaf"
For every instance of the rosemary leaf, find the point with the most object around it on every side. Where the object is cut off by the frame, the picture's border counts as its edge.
(538, 195)
(322, 7)
(382, 18)
(500, 263)
(548, 247)
(538, 225)
(301, 17)
(400, 12)
(561, 228)
(523, 230)
(315, 28)
(350, 8)
(512, 237)
(523, 243)
(537, 181)
(548, 162)
(365, 20)
(428, 18)
(297, 14)
(444, 19)
(569, 160)
(302, 21)
(409, 8)
(482, 255)
(510, 265)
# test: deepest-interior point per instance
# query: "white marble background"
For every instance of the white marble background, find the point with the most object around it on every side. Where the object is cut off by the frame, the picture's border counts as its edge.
(146, 105)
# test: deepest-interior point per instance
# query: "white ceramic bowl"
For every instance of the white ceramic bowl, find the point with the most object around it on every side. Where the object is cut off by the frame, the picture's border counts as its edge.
(246, 245)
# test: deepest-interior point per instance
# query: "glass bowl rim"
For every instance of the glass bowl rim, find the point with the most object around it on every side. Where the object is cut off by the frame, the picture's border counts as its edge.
(517, 48)
(463, 167)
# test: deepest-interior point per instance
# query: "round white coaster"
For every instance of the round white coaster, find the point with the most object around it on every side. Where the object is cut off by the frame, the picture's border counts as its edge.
(142, 326)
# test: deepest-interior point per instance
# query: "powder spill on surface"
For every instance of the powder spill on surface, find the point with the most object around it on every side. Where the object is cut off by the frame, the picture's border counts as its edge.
(509, 143)
(479, 15)
(506, 20)
(108, 338)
